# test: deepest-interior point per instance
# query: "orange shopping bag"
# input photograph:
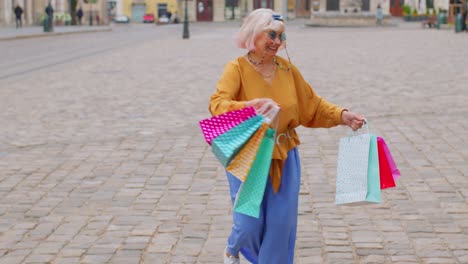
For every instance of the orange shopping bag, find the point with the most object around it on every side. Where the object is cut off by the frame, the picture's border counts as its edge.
(241, 164)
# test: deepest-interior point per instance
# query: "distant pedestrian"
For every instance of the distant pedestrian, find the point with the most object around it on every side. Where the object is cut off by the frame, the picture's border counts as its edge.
(176, 18)
(79, 14)
(169, 15)
(18, 13)
(49, 10)
(464, 11)
(379, 15)
(97, 19)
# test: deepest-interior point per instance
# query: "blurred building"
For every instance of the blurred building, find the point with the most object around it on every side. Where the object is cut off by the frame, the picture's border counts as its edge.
(206, 10)
(203, 10)
(34, 10)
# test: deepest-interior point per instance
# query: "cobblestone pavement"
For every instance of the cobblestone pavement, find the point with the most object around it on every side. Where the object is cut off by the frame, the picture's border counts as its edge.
(12, 33)
(102, 160)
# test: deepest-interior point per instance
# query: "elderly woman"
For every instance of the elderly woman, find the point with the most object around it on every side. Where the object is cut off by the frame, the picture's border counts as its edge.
(261, 78)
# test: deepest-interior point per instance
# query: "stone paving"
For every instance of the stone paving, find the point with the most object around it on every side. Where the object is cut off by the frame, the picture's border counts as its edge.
(12, 33)
(103, 162)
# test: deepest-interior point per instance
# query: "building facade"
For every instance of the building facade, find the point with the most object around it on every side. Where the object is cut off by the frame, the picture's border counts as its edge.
(198, 10)
(34, 10)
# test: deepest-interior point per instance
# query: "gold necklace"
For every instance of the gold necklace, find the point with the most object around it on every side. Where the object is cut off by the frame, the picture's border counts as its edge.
(254, 61)
(268, 76)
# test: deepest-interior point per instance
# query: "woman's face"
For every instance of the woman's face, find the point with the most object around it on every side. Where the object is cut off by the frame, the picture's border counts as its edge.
(270, 41)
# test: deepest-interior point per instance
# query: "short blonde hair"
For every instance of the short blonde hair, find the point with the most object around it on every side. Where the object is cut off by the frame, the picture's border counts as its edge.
(254, 24)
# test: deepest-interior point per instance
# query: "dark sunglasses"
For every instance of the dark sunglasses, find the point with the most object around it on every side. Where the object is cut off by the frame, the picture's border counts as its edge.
(278, 17)
(273, 35)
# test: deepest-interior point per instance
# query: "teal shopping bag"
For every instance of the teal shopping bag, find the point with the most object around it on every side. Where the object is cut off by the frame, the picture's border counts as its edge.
(373, 173)
(228, 144)
(358, 178)
(250, 194)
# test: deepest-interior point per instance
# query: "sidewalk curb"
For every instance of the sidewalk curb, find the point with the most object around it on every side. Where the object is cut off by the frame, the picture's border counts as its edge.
(51, 34)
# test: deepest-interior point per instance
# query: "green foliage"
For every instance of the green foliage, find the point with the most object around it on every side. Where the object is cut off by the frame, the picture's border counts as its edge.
(406, 10)
(415, 12)
(67, 17)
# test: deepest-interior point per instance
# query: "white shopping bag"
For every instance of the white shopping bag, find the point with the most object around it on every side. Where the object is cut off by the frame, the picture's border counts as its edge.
(358, 178)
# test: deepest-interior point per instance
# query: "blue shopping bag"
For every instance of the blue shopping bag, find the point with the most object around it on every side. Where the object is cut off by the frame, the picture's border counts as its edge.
(358, 178)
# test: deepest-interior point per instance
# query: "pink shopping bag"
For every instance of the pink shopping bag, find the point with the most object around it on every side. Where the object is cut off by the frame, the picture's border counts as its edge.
(386, 177)
(391, 162)
(217, 125)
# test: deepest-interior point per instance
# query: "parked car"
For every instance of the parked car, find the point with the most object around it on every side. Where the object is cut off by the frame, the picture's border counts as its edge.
(163, 20)
(121, 19)
(148, 18)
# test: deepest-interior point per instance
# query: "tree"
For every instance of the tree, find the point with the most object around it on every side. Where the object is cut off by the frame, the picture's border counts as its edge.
(73, 10)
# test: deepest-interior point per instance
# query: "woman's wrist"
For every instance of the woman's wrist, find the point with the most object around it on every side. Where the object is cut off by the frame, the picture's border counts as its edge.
(343, 119)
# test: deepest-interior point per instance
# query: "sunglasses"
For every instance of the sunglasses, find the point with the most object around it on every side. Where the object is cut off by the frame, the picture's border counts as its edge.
(273, 35)
(278, 17)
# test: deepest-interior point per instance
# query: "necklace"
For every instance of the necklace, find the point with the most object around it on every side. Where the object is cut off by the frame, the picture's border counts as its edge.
(254, 61)
(257, 64)
(269, 75)
(281, 66)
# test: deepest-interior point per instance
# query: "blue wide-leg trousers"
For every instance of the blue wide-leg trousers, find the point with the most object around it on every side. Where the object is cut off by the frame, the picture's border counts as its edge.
(271, 238)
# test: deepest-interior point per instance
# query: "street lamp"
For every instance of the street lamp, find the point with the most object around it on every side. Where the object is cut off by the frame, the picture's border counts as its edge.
(90, 14)
(186, 34)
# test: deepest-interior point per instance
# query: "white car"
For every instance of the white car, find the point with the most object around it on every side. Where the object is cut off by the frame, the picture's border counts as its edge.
(121, 19)
(163, 20)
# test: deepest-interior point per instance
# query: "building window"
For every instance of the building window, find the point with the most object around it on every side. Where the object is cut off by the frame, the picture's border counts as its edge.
(333, 5)
(430, 4)
(232, 3)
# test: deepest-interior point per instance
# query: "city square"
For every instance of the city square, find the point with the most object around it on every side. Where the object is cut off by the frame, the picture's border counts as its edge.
(102, 159)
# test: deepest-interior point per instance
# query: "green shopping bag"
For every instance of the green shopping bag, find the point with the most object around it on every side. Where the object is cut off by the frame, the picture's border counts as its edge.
(373, 173)
(228, 144)
(250, 195)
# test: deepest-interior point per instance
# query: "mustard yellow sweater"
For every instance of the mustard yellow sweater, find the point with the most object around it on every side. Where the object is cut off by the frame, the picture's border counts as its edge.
(299, 104)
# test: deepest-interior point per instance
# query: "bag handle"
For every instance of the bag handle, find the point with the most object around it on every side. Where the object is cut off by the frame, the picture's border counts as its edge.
(271, 116)
(355, 133)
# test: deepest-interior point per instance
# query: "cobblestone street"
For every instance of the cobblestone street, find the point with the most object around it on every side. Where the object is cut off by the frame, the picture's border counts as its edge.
(102, 159)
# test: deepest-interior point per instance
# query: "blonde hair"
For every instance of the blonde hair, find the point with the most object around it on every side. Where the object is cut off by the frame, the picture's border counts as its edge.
(254, 24)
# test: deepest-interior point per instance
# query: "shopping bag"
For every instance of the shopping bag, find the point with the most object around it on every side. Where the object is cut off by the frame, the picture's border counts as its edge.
(386, 178)
(242, 163)
(391, 162)
(357, 179)
(228, 144)
(217, 125)
(250, 195)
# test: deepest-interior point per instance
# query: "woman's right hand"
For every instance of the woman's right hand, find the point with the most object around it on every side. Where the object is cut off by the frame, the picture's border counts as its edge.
(263, 105)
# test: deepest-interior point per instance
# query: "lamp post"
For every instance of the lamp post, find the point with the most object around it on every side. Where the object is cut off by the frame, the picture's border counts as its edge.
(186, 33)
(90, 14)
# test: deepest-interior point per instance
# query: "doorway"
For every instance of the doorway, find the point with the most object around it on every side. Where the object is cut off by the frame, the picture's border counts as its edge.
(263, 4)
(303, 8)
(138, 11)
(396, 7)
(204, 10)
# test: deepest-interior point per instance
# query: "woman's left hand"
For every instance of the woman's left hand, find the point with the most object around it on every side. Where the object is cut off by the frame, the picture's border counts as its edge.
(353, 120)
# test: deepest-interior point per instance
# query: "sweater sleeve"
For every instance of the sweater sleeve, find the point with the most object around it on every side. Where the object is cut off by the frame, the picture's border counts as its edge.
(314, 111)
(225, 98)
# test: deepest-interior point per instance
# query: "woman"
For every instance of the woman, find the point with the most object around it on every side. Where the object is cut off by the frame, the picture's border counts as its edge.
(260, 78)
